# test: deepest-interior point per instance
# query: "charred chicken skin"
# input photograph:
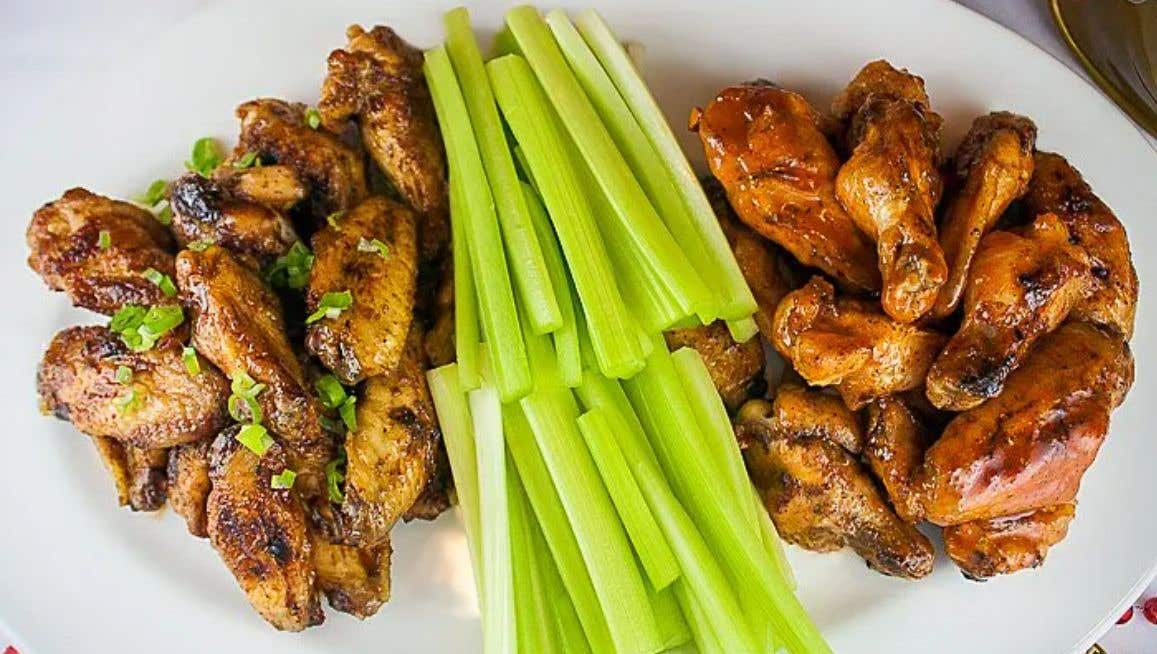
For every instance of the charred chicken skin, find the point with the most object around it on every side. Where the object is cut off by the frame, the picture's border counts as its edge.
(986, 548)
(188, 475)
(355, 580)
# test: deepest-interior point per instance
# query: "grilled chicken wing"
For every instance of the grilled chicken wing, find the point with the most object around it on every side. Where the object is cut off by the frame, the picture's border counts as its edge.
(822, 499)
(277, 132)
(735, 367)
(765, 145)
(260, 533)
(987, 548)
(276, 187)
(139, 484)
(378, 80)
(439, 341)
(112, 455)
(1020, 288)
(890, 187)
(204, 211)
(366, 339)
(894, 448)
(237, 324)
(848, 343)
(809, 413)
(1056, 187)
(880, 78)
(188, 474)
(161, 405)
(354, 580)
(994, 164)
(65, 239)
(390, 456)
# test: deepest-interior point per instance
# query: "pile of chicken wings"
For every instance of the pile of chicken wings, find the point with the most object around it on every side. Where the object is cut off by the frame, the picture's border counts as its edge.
(290, 430)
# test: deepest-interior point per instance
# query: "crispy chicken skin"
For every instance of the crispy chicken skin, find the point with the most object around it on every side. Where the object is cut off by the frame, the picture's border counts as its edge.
(986, 548)
(821, 498)
(1028, 447)
(378, 80)
(850, 344)
(993, 165)
(391, 455)
(1056, 187)
(261, 534)
(277, 132)
(148, 482)
(1019, 289)
(355, 581)
(203, 210)
(890, 187)
(894, 448)
(77, 382)
(735, 367)
(237, 324)
(765, 146)
(64, 237)
(881, 79)
(808, 413)
(276, 187)
(188, 474)
(366, 339)
(439, 342)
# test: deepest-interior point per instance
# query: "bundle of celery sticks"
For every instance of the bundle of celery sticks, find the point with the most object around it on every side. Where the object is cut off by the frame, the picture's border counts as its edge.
(605, 499)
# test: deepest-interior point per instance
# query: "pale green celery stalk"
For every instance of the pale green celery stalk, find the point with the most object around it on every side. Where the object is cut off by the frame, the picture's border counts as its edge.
(564, 618)
(535, 287)
(566, 343)
(646, 537)
(672, 626)
(541, 355)
(663, 408)
(742, 329)
(466, 336)
(738, 302)
(645, 162)
(487, 258)
(499, 628)
(598, 530)
(524, 166)
(552, 520)
(772, 541)
(458, 435)
(527, 111)
(586, 348)
(626, 196)
(697, 620)
(537, 631)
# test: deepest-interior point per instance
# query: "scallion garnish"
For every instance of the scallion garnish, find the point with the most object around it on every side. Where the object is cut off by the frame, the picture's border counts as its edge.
(255, 438)
(334, 476)
(331, 306)
(348, 412)
(291, 270)
(248, 160)
(192, 363)
(124, 374)
(245, 391)
(333, 218)
(283, 480)
(198, 246)
(163, 281)
(312, 117)
(154, 194)
(374, 245)
(140, 328)
(104, 239)
(205, 157)
(164, 213)
(128, 402)
(330, 391)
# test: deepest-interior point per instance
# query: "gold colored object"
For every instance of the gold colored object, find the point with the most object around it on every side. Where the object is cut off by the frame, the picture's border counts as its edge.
(1116, 42)
(1096, 649)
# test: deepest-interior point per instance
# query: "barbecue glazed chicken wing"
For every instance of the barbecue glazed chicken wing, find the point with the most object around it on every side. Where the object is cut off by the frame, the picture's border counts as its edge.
(993, 165)
(890, 186)
(378, 80)
(1020, 288)
(848, 343)
(765, 146)
(355, 580)
(260, 532)
(736, 368)
(986, 548)
(157, 405)
(367, 338)
(1056, 187)
(894, 445)
(65, 237)
(820, 496)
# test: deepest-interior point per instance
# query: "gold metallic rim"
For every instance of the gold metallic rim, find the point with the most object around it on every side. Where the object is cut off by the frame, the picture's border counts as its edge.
(1096, 649)
(1139, 113)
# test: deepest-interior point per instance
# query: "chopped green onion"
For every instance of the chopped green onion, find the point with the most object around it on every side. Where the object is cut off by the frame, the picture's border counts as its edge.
(333, 219)
(334, 476)
(199, 245)
(205, 158)
(161, 280)
(127, 317)
(104, 239)
(140, 328)
(255, 438)
(124, 374)
(467, 340)
(192, 363)
(247, 160)
(331, 306)
(566, 344)
(330, 391)
(283, 480)
(312, 117)
(291, 270)
(375, 246)
(348, 412)
(164, 213)
(153, 194)
(245, 391)
(128, 402)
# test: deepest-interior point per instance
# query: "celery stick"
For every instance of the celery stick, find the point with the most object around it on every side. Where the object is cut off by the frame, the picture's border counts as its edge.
(697, 620)
(499, 630)
(565, 620)
(645, 535)
(566, 343)
(528, 113)
(466, 336)
(772, 541)
(600, 534)
(535, 287)
(672, 626)
(555, 526)
(487, 258)
(742, 329)
(738, 302)
(606, 162)
(537, 631)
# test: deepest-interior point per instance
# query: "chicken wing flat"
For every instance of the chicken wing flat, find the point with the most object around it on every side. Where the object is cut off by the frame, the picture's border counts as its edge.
(371, 253)
(807, 413)
(986, 548)
(237, 324)
(736, 368)
(276, 187)
(894, 448)
(112, 455)
(1056, 187)
(158, 405)
(890, 187)
(378, 80)
(765, 146)
(1020, 288)
(391, 455)
(204, 211)
(65, 237)
(439, 342)
(1028, 447)
(994, 164)
(260, 533)
(823, 499)
(188, 474)
(355, 581)
(148, 482)
(277, 132)
(848, 343)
